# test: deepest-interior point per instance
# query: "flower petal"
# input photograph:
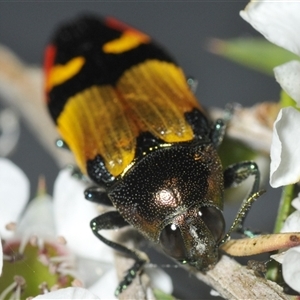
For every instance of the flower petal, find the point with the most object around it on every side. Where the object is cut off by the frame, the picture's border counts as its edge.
(296, 202)
(90, 270)
(288, 76)
(68, 293)
(14, 194)
(278, 257)
(285, 158)
(292, 223)
(73, 214)
(160, 280)
(277, 20)
(291, 268)
(106, 286)
(38, 219)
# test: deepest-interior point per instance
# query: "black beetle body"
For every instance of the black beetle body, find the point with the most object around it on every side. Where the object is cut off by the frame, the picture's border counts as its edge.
(126, 111)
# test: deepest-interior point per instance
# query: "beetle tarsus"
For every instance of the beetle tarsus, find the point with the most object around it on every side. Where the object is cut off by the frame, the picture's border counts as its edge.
(237, 225)
(130, 275)
(233, 176)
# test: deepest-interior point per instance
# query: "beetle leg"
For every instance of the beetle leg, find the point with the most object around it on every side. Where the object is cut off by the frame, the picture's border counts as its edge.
(218, 132)
(233, 176)
(237, 224)
(98, 195)
(219, 128)
(113, 220)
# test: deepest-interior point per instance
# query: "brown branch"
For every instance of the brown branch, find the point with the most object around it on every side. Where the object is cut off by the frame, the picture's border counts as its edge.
(21, 88)
(233, 281)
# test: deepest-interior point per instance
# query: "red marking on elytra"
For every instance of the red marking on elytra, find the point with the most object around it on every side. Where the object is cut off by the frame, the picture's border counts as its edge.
(120, 26)
(50, 54)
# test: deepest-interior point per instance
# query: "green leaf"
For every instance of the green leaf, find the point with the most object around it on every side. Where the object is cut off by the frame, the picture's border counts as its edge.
(255, 53)
(286, 100)
(285, 207)
(160, 295)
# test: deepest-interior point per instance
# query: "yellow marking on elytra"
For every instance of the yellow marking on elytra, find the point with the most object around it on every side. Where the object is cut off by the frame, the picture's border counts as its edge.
(157, 93)
(127, 41)
(93, 123)
(61, 73)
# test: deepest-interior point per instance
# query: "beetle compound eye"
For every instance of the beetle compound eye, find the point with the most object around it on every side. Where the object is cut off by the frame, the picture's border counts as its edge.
(214, 220)
(172, 242)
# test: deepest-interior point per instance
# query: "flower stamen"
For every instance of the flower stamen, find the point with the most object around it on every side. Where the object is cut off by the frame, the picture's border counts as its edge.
(9, 289)
(17, 287)
(77, 283)
(33, 240)
(24, 241)
(11, 226)
(44, 289)
(44, 259)
(13, 256)
(55, 287)
(61, 240)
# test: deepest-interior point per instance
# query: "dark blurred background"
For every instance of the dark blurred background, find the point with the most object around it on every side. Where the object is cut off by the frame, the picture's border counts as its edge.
(183, 28)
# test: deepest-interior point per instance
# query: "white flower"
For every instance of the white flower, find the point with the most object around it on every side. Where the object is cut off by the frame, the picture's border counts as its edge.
(290, 268)
(290, 259)
(9, 131)
(1, 258)
(86, 259)
(14, 194)
(68, 293)
(72, 215)
(285, 148)
(38, 222)
(279, 22)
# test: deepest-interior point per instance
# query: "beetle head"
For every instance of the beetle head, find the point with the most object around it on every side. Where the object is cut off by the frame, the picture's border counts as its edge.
(193, 237)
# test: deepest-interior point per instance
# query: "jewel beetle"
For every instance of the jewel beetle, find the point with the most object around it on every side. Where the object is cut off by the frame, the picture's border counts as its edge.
(124, 107)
